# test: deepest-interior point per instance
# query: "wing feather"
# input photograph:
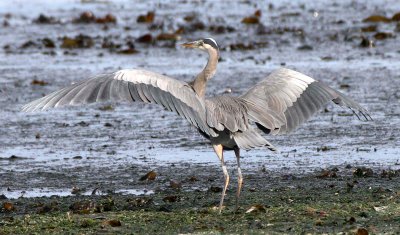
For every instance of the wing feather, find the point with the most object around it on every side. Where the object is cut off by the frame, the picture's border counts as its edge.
(251, 139)
(227, 112)
(102, 95)
(294, 97)
(132, 86)
(134, 93)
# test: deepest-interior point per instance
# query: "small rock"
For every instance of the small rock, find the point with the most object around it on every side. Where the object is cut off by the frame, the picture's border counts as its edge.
(396, 17)
(39, 82)
(377, 18)
(85, 17)
(129, 49)
(151, 175)
(148, 18)
(147, 38)
(76, 190)
(363, 172)
(362, 231)
(80, 41)
(112, 223)
(8, 206)
(390, 173)
(28, 44)
(47, 42)
(327, 58)
(351, 220)
(254, 19)
(251, 20)
(175, 184)
(305, 48)
(109, 18)
(43, 19)
(13, 158)
(327, 174)
(241, 46)
(215, 189)
(171, 198)
(82, 123)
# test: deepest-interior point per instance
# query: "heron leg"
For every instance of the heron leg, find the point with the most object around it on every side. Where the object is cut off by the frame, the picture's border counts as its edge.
(219, 151)
(240, 177)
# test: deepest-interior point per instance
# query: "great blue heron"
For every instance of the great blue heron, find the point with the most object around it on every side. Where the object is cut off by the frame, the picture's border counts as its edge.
(276, 105)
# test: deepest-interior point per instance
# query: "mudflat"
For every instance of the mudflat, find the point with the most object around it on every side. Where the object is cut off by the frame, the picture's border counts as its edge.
(79, 169)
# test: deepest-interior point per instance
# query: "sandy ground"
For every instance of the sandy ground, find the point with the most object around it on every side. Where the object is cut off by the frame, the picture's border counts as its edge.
(95, 147)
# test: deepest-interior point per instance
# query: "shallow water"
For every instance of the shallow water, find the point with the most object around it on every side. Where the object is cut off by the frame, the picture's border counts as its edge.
(49, 192)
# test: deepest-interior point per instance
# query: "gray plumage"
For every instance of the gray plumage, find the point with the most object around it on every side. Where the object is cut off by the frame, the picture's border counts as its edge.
(276, 105)
(132, 86)
(292, 98)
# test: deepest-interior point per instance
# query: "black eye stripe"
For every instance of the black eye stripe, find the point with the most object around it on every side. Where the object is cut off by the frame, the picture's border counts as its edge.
(210, 42)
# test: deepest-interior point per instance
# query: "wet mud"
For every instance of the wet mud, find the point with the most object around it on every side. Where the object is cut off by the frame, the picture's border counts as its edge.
(79, 169)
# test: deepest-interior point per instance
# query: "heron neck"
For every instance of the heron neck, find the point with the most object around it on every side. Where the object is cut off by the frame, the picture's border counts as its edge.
(200, 82)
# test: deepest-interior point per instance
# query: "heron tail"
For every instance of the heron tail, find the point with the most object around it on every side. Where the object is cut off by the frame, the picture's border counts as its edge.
(251, 139)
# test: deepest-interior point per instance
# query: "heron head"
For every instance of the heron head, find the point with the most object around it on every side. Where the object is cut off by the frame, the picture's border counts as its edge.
(205, 44)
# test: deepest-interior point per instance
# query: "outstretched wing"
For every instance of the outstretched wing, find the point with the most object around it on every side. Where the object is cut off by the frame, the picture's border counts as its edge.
(294, 97)
(131, 86)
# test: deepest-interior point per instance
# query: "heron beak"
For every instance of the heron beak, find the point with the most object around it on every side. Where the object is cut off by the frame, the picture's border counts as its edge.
(194, 44)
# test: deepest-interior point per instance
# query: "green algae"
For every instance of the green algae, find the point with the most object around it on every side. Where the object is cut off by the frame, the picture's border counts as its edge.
(301, 207)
